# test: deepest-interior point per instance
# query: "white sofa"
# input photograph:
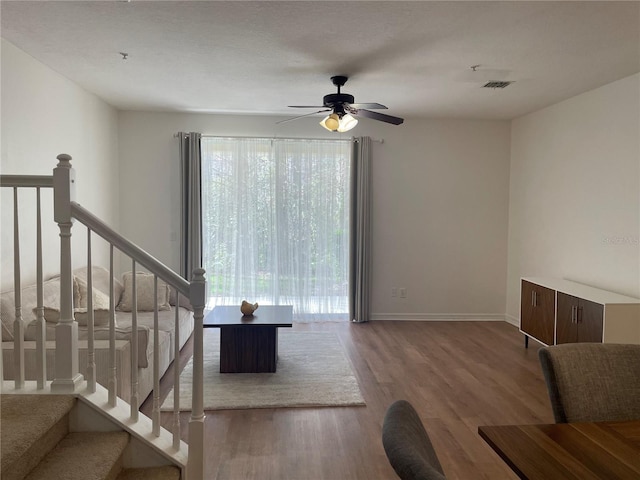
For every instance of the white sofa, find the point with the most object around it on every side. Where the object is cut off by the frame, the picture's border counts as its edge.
(100, 276)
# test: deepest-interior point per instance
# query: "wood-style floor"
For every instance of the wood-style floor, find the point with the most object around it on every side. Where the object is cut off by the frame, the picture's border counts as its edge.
(458, 375)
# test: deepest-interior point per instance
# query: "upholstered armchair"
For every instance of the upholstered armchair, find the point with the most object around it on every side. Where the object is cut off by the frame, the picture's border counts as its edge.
(591, 382)
(407, 444)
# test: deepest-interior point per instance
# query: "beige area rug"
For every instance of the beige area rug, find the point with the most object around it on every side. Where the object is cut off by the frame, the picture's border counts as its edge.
(312, 371)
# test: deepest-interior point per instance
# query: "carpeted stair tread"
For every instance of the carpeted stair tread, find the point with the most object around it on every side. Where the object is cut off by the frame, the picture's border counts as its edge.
(31, 425)
(154, 473)
(84, 456)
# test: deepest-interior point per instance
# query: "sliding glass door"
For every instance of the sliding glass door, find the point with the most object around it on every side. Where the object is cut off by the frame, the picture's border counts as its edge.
(275, 217)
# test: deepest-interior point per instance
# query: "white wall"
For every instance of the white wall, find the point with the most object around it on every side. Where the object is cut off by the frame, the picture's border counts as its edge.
(575, 192)
(440, 203)
(43, 115)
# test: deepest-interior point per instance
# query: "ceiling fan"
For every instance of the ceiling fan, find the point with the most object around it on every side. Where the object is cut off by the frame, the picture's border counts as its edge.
(343, 109)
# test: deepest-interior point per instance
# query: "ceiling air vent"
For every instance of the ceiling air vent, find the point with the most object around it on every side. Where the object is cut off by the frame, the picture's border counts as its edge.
(496, 84)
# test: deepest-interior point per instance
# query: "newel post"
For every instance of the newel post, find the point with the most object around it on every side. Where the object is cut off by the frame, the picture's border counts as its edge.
(197, 296)
(67, 374)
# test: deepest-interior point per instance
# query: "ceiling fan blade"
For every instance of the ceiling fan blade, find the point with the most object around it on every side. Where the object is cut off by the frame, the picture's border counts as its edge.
(374, 106)
(301, 116)
(380, 116)
(305, 106)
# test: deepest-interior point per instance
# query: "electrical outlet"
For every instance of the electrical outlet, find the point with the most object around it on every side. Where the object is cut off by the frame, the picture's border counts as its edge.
(403, 292)
(394, 292)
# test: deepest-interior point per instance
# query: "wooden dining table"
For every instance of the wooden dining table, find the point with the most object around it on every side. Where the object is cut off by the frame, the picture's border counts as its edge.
(599, 450)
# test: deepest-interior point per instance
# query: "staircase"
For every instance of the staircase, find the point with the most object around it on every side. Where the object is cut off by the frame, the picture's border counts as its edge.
(37, 444)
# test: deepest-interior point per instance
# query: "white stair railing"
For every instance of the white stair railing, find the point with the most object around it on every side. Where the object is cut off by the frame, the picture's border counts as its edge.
(67, 378)
(36, 182)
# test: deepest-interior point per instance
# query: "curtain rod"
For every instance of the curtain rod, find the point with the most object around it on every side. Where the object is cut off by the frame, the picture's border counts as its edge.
(381, 140)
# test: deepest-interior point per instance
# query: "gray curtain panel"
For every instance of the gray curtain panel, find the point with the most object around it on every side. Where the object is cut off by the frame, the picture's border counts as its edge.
(190, 204)
(360, 231)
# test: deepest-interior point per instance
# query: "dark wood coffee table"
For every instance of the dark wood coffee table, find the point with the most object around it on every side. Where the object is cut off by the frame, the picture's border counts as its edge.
(249, 344)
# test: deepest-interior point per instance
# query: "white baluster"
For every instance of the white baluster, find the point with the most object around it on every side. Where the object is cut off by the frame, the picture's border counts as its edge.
(176, 377)
(67, 375)
(155, 416)
(197, 295)
(134, 346)
(113, 385)
(18, 326)
(41, 329)
(91, 360)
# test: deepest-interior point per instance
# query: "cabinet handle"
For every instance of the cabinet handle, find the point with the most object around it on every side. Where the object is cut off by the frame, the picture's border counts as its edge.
(574, 314)
(534, 298)
(578, 314)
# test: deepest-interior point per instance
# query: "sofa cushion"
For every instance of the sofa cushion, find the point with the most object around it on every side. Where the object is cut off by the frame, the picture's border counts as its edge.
(100, 305)
(100, 316)
(80, 301)
(180, 299)
(51, 297)
(166, 323)
(51, 313)
(100, 333)
(145, 293)
(51, 304)
(100, 277)
(102, 361)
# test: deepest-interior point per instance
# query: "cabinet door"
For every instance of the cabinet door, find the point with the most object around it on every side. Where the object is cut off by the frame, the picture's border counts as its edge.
(590, 321)
(567, 319)
(526, 307)
(537, 312)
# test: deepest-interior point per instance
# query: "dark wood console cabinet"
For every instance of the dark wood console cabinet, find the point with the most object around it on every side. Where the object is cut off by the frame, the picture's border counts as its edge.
(537, 314)
(579, 320)
(555, 311)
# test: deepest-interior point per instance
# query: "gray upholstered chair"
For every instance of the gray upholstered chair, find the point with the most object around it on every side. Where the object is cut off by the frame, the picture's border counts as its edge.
(591, 382)
(407, 444)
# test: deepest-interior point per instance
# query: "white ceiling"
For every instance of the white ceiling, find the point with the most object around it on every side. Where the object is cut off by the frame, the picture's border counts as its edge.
(259, 57)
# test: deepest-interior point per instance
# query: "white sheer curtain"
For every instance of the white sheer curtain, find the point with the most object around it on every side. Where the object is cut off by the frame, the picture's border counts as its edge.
(276, 222)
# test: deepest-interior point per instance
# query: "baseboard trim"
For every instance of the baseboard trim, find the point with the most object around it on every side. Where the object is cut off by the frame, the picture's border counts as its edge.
(440, 317)
(512, 320)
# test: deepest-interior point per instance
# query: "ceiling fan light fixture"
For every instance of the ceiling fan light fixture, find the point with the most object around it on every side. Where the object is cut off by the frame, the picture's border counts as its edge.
(343, 110)
(331, 122)
(347, 122)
